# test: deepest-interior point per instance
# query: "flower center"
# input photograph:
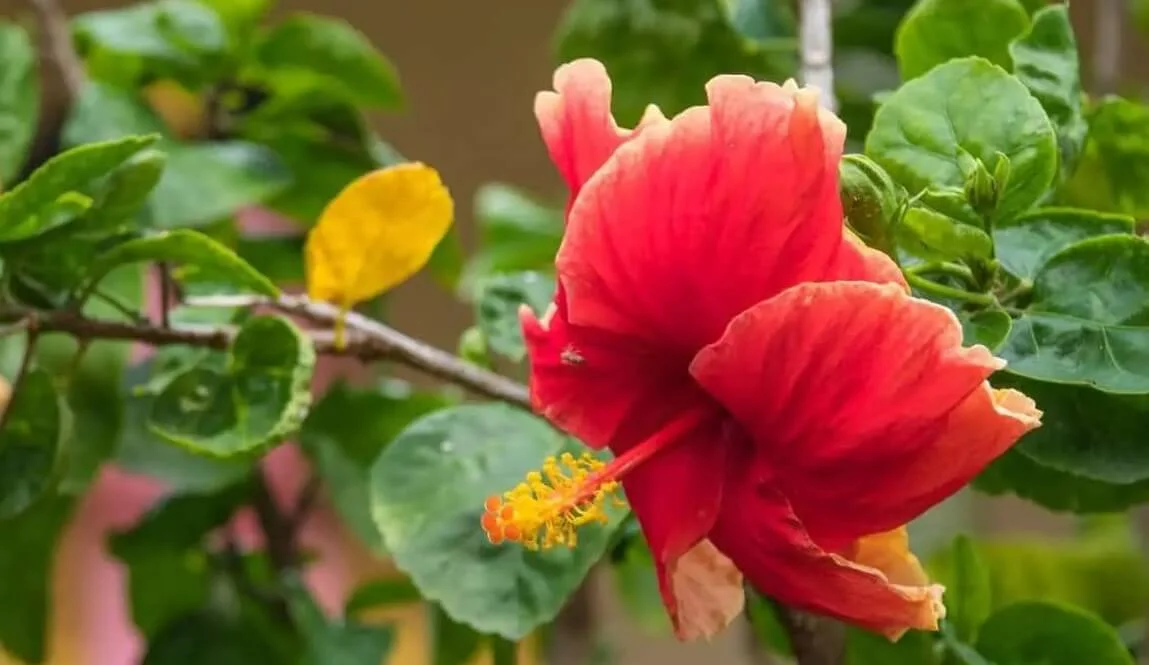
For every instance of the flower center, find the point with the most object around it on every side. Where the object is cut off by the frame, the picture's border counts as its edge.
(548, 508)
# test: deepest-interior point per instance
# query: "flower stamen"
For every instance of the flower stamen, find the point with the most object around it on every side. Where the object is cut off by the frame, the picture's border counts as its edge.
(569, 492)
(550, 505)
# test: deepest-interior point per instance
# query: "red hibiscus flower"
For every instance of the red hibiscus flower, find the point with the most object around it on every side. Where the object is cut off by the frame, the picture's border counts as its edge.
(778, 404)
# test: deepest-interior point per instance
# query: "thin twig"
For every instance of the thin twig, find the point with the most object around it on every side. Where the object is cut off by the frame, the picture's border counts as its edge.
(368, 341)
(276, 527)
(58, 38)
(128, 313)
(32, 334)
(167, 284)
(817, 49)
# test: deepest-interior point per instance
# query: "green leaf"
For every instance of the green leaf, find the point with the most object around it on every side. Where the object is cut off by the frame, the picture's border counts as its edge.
(191, 26)
(27, 561)
(988, 327)
(1104, 279)
(381, 593)
(506, 652)
(936, 31)
(959, 652)
(240, 17)
(428, 489)
(453, 643)
(279, 258)
(344, 434)
(27, 210)
(866, 648)
(1018, 474)
(925, 133)
(497, 308)
(637, 586)
(105, 113)
(934, 235)
(1062, 349)
(1115, 163)
(1046, 61)
(1101, 570)
(49, 271)
(19, 100)
(517, 233)
(180, 522)
(259, 397)
(32, 431)
(1083, 328)
(207, 182)
(311, 188)
(202, 182)
(141, 451)
(125, 193)
(1052, 634)
(1086, 432)
(641, 40)
(335, 641)
(761, 20)
(969, 597)
(169, 571)
(1023, 245)
(204, 259)
(180, 38)
(311, 54)
(219, 638)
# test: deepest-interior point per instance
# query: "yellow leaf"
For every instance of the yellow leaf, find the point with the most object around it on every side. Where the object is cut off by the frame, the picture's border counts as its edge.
(379, 231)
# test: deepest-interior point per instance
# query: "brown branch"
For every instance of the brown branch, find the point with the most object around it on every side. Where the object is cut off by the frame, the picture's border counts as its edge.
(370, 340)
(814, 640)
(367, 340)
(276, 527)
(57, 36)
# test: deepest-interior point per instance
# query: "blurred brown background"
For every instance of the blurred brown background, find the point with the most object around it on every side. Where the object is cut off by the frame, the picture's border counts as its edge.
(470, 70)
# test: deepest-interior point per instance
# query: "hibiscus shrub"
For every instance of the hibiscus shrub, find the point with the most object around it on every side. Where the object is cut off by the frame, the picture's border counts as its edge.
(759, 338)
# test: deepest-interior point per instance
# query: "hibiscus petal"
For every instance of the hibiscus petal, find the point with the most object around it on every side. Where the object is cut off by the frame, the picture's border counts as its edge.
(705, 591)
(605, 390)
(859, 262)
(576, 121)
(599, 387)
(890, 553)
(676, 496)
(698, 218)
(759, 531)
(866, 401)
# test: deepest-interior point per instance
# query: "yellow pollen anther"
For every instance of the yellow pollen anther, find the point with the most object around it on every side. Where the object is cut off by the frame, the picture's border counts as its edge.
(549, 506)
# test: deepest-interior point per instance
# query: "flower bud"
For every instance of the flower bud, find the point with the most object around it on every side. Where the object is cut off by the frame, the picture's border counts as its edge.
(871, 200)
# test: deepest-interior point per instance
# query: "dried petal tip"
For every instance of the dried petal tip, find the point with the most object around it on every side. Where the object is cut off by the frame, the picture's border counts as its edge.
(549, 506)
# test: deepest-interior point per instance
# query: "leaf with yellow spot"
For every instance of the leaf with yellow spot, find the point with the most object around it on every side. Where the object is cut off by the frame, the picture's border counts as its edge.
(376, 233)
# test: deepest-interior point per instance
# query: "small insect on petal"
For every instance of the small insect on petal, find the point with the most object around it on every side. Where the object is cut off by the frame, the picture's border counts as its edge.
(376, 233)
